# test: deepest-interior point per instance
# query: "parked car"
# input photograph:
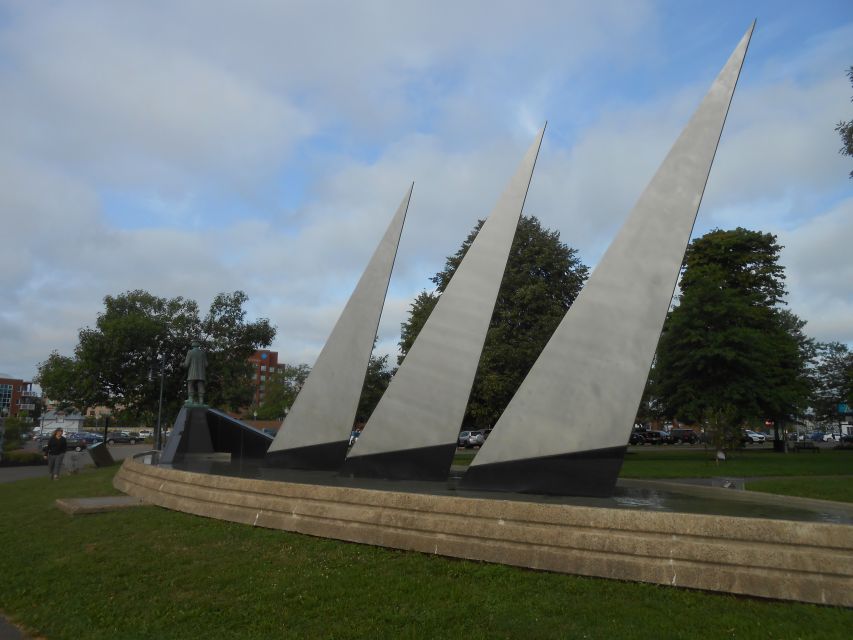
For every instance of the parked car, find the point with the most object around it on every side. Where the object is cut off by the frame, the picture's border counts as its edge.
(686, 436)
(122, 437)
(831, 437)
(462, 441)
(656, 437)
(752, 437)
(145, 433)
(77, 442)
(475, 439)
(353, 436)
(636, 438)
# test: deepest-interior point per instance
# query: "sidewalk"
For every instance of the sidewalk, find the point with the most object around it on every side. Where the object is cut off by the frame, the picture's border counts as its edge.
(10, 632)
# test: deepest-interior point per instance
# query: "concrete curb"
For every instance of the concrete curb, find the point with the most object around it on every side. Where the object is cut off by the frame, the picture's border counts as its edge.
(802, 561)
(82, 506)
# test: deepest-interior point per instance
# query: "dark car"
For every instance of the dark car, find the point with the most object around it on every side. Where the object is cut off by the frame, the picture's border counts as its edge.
(637, 437)
(122, 437)
(82, 440)
(686, 436)
(657, 437)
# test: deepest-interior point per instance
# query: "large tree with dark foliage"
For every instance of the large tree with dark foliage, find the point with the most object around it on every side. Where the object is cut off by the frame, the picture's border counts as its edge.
(542, 278)
(376, 380)
(281, 390)
(728, 353)
(118, 362)
(845, 130)
(833, 377)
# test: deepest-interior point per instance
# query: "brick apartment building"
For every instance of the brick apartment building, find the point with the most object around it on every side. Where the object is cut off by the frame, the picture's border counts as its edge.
(16, 395)
(264, 363)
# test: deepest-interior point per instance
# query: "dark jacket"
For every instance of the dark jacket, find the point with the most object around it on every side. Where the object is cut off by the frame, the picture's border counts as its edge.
(55, 446)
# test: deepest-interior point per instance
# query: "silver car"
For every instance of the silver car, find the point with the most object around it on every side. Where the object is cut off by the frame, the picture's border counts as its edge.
(475, 439)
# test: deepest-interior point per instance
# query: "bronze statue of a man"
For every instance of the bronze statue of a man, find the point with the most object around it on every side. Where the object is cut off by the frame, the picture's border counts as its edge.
(195, 364)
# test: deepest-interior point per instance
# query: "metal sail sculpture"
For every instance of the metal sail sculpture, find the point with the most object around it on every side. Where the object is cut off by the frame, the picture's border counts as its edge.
(413, 431)
(315, 434)
(566, 429)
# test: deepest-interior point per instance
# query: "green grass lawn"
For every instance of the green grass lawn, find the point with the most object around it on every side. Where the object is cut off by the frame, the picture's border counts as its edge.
(827, 475)
(838, 488)
(654, 462)
(152, 573)
(672, 462)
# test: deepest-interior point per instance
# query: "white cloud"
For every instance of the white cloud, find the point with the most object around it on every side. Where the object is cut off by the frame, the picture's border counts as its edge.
(820, 269)
(196, 114)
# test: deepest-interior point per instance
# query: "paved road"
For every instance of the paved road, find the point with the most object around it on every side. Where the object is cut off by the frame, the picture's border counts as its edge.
(118, 451)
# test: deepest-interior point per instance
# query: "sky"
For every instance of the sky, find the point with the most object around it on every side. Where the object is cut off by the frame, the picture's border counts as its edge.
(190, 147)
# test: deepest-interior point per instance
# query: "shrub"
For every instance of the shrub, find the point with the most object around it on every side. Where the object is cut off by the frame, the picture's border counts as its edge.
(20, 458)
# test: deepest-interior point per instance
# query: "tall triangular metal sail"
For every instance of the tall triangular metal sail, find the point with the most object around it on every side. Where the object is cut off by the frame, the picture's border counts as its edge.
(566, 429)
(413, 430)
(315, 434)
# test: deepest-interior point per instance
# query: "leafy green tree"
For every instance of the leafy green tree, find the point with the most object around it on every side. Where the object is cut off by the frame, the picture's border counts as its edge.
(376, 380)
(728, 354)
(229, 340)
(845, 129)
(14, 428)
(832, 377)
(118, 362)
(60, 379)
(542, 278)
(281, 390)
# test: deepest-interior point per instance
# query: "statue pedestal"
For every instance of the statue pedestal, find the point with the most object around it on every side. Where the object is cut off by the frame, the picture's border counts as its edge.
(200, 430)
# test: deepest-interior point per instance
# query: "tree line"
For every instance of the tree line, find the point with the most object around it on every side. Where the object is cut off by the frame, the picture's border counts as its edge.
(730, 354)
(139, 339)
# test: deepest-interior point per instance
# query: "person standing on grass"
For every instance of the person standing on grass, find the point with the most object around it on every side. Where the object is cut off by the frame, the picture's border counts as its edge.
(55, 452)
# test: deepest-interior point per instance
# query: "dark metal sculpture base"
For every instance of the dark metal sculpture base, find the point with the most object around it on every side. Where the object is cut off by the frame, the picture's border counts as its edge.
(200, 430)
(100, 455)
(425, 463)
(320, 457)
(588, 473)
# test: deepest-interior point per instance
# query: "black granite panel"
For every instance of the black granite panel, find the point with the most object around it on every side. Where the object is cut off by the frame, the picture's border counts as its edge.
(328, 456)
(424, 463)
(204, 430)
(101, 456)
(196, 435)
(586, 473)
(230, 435)
(170, 449)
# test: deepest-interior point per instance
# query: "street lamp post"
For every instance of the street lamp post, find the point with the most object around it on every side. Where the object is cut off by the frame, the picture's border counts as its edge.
(158, 438)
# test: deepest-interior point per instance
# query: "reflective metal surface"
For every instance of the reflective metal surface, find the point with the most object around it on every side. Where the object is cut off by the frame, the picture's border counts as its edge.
(425, 402)
(325, 408)
(583, 391)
